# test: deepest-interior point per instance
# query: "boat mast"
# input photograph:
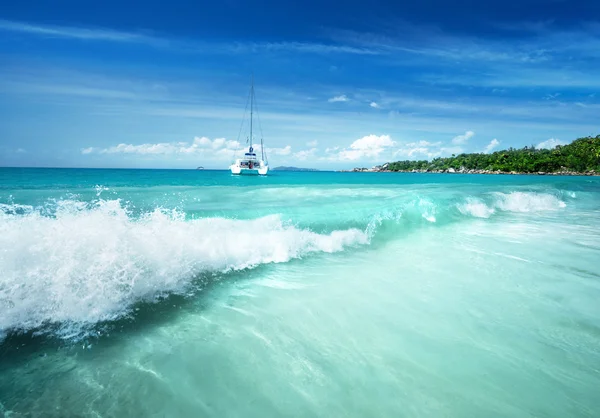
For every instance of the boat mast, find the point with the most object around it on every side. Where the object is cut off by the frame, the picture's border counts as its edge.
(262, 148)
(251, 107)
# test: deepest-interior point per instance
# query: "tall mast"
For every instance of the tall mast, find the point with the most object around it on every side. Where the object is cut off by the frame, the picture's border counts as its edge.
(251, 106)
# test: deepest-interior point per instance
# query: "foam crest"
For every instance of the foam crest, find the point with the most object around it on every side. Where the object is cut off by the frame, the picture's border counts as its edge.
(528, 202)
(517, 202)
(91, 262)
(428, 210)
(475, 208)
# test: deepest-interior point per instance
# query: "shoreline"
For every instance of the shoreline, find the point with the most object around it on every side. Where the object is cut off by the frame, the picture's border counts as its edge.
(487, 172)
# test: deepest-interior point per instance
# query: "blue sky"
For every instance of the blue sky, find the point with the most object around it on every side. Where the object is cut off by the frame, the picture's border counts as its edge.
(338, 85)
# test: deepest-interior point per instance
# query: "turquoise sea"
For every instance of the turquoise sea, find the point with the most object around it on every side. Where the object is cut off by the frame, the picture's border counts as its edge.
(174, 293)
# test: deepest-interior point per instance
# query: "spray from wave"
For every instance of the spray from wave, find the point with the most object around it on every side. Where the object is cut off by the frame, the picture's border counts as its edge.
(516, 202)
(91, 262)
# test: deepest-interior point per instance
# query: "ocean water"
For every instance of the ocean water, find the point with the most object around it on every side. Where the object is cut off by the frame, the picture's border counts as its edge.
(172, 293)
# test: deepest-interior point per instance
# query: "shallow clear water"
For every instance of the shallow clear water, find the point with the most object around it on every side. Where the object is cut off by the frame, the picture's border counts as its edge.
(195, 293)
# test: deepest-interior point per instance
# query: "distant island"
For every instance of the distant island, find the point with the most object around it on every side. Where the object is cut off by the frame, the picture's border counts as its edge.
(293, 169)
(580, 157)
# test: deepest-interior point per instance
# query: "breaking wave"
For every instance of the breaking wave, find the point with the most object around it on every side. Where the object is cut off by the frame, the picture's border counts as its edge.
(73, 264)
(89, 263)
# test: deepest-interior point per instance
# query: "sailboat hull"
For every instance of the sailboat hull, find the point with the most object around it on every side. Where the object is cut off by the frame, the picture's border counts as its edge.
(260, 171)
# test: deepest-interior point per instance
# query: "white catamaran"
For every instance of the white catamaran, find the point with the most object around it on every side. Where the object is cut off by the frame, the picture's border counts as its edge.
(250, 163)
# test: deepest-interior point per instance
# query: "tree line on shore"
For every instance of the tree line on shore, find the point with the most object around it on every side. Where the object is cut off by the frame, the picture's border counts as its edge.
(580, 156)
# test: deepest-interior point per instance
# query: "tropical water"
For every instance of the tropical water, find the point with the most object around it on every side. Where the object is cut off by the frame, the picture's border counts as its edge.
(171, 293)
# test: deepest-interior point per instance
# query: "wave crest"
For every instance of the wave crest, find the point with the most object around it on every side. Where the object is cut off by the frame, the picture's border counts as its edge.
(91, 262)
(518, 202)
(475, 208)
(528, 202)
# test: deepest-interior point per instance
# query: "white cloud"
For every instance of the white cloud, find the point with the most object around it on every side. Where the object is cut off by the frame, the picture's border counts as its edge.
(374, 105)
(202, 142)
(427, 150)
(287, 150)
(491, 146)
(550, 143)
(312, 144)
(370, 146)
(305, 154)
(217, 148)
(370, 142)
(341, 98)
(218, 143)
(20, 151)
(162, 148)
(420, 149)
(461, 139)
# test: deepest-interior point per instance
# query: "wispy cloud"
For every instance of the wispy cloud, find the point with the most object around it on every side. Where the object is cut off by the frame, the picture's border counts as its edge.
(550, 143)
(177, 44)
(462, 139)
(542, 56)
(95, 34)
(312, 144)
(315, 48)
(342, 98)
(68, 90)
(518, 77)
(374, 105)
(491, 146)
(430, 41)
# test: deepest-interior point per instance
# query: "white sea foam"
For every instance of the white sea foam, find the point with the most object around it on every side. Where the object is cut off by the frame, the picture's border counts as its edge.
(528, 202)
(476, 208)
(428, 209)
(88, 263)
(511, 202)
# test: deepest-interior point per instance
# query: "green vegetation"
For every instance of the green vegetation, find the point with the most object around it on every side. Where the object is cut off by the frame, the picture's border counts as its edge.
(580, 156)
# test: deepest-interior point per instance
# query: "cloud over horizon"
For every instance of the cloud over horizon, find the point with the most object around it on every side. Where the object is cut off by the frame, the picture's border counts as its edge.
(217, 149)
